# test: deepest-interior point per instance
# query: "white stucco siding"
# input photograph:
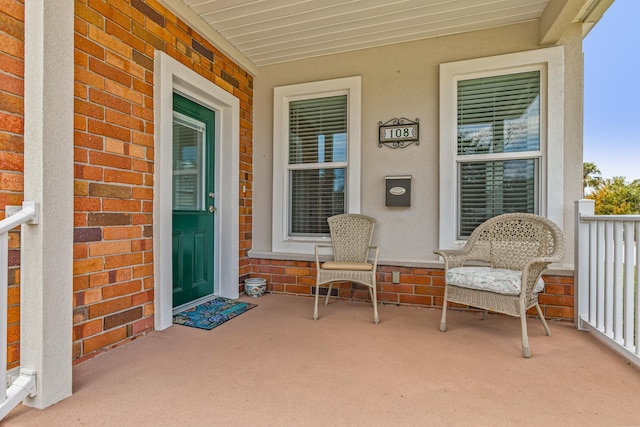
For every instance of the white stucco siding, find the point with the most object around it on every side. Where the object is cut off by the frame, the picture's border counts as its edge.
(403, 81)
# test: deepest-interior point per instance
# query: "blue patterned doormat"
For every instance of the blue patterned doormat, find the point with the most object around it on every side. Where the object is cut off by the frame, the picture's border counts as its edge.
(212, 313)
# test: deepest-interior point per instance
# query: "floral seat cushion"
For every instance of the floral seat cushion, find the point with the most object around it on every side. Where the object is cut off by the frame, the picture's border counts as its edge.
(498, 280)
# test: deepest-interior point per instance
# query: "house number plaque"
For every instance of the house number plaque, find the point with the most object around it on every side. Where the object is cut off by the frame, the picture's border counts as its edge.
(398, 133)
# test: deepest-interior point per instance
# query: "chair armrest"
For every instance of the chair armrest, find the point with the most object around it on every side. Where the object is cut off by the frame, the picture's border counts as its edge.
(317, 253)
(532, 270)
(453, 257)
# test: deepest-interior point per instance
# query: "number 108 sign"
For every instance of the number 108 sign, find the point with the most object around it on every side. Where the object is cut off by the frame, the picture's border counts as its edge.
(398, 133)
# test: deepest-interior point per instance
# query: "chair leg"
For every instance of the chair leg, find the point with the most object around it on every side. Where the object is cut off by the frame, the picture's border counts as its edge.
(544, 321)
(326, 300)
(526, 351)
(374, 299)
(484, 314)
(315, 309)
(443, 319)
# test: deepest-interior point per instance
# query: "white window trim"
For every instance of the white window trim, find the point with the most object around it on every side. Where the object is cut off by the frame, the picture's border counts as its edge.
(282, 95)
(551, 63)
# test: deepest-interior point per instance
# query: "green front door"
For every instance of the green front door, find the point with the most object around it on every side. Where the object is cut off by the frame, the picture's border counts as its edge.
(193, 201)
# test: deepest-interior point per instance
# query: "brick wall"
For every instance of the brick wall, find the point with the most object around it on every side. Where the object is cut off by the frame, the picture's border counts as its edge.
(418, 286)
(11, 150)
(114, 160)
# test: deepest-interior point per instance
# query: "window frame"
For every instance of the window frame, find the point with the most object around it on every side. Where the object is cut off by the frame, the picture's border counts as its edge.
(550, 63)
(350, 86)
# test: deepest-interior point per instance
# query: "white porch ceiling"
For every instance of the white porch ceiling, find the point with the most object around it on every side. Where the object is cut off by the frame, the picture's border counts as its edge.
(273, 31)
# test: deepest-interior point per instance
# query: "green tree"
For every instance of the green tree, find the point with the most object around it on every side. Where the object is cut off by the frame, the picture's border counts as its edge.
(616, 196)
(591, 177)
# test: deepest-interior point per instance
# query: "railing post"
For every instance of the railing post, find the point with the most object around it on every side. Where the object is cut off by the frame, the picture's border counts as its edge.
(581, 272)
(25, 384)
(4, 271)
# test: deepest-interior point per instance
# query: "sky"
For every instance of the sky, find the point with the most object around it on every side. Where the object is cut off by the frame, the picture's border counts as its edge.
(612, 92)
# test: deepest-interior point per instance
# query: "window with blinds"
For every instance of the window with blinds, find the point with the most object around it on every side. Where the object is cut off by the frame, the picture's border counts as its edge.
(498, 147)
(317, 163)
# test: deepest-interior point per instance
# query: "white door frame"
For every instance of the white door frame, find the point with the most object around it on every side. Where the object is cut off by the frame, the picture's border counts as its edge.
(172, 76)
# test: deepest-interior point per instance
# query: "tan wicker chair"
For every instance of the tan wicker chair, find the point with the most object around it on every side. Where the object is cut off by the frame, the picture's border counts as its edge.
(517, 247)
(351, 245)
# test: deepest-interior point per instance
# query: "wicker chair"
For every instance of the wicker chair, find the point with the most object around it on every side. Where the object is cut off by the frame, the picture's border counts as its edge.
(517, 247)
(351, 245)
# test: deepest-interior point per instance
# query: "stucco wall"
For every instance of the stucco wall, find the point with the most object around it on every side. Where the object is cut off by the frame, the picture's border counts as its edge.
(402, 81)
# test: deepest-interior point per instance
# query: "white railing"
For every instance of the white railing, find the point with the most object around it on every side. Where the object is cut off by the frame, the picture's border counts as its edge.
(25, 384)
(607, 249)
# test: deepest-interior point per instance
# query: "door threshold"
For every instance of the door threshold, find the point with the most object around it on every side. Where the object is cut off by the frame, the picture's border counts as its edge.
(193, 303)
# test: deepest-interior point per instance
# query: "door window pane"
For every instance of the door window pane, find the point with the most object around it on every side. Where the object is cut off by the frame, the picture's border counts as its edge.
(188, 163)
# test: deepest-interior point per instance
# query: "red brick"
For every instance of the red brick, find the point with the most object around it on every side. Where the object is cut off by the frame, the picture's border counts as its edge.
(108, 11)
(109, 248)
(11, 65)
(11, 182)
(116, 205)
(122, 260)
(109, 72)
(123, 92)
(109, 101)
(88, 46)
(80, 251)
(104, 340)
(121, 289)
(143, 297)
(86, 297)
(86, 204)
(87, 265)
(11, 123)
(11, 45)
(143, 270)
(88, 109)
(87, 329)
(122, 318)
(88, 15)
(88, 172)
(123, 177)
(143, 325)
(99, 279)
(106, 129)
(80, 283)
(118, 233)
(109, 307)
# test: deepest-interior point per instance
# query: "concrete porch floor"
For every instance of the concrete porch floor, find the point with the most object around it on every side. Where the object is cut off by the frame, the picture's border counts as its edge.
(275, 366)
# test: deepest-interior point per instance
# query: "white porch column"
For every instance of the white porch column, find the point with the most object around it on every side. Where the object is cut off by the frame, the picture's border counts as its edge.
(47, 261)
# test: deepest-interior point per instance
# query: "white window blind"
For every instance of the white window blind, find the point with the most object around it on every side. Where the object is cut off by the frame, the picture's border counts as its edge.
(498, 147)
(317, 163)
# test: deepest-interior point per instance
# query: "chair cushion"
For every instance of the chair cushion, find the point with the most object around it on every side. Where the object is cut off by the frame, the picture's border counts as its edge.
(498, 280)
(337, 265)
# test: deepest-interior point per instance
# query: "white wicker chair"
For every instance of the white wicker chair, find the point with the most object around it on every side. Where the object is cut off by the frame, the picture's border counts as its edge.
(517, 247)
(351, 245)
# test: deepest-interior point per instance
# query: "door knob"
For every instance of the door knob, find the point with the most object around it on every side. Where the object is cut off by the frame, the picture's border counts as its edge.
(212, 209)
